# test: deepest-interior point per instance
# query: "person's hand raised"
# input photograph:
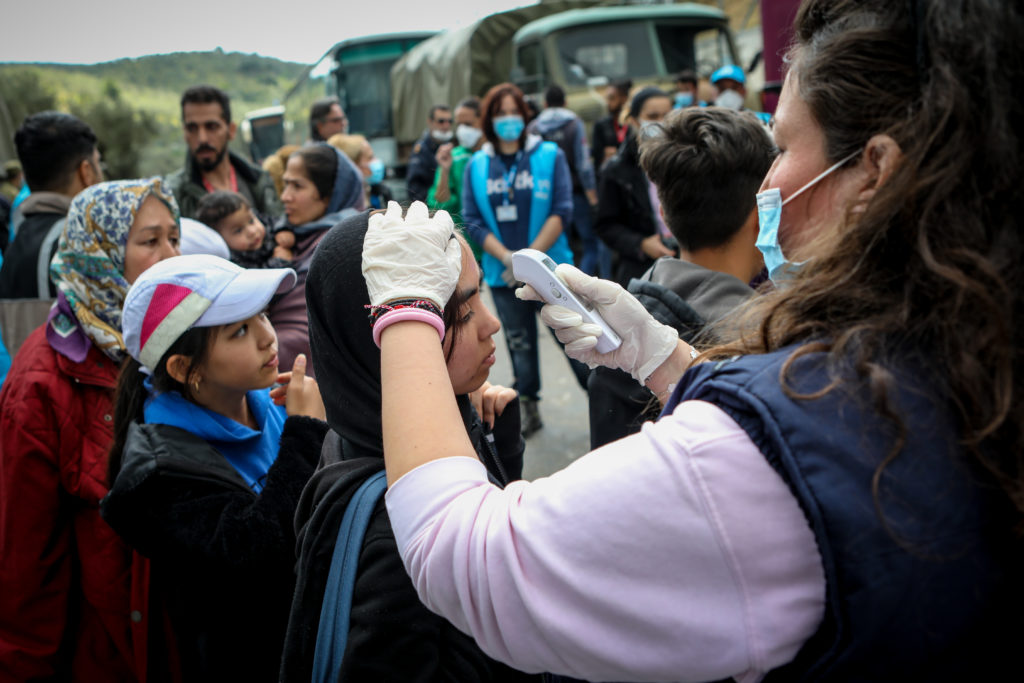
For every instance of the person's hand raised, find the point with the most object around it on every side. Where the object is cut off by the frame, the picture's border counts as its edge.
(300, 395)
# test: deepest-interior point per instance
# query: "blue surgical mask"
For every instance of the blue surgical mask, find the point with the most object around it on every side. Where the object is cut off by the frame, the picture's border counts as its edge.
(376, 172)
(769, 215)
(509, 128)
(684, 99)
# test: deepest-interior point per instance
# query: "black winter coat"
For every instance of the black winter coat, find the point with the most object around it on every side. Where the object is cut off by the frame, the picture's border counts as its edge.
(393, 637)
(222, 555)
(624, 214)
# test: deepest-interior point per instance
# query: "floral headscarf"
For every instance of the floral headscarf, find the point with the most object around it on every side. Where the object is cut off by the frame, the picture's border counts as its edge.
(88, 268)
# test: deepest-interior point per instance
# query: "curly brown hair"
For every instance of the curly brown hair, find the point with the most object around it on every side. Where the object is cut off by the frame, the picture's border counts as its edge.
(931, 267)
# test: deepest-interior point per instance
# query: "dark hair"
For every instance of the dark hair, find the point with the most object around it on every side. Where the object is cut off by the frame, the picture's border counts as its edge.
(318, 113)
(492, 103)
(321, 164)
(707, 164)
(622, 86)
(554, 96)
(438, 107)
(130, 399)
(51, 145)
(452, 314)
(636, 105)
(932, 263)
(216, 206)
(687, 76)
(472, 103)
(207, 94)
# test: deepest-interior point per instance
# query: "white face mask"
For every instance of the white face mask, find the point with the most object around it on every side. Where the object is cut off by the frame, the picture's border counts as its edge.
(468, 136)
(730, 99)
(441, 135)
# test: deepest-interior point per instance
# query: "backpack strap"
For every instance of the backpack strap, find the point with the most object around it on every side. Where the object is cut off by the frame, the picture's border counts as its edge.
(332, 635)
(46, 255)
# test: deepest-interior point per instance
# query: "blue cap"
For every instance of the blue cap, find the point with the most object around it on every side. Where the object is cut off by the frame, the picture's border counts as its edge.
(729, 71)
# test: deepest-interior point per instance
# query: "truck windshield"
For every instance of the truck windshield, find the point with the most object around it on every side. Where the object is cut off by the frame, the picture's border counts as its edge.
(640, 49)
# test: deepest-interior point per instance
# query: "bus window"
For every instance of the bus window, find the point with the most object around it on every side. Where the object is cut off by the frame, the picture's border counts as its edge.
(531, 61)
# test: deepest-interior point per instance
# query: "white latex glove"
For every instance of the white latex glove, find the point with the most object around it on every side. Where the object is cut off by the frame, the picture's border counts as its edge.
(646, 343)
(416, 257)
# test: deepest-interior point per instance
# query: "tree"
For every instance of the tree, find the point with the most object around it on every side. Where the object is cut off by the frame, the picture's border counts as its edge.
(122, 130)
(21, 93)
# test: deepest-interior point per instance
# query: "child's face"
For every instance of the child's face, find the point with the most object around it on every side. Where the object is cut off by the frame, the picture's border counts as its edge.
(242, 230)
(243, 357)
(471, 361)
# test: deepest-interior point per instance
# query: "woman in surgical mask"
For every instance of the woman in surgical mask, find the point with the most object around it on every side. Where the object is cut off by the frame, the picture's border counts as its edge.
(517, 193)
(836, 495)
(628, 216)
(357, 148)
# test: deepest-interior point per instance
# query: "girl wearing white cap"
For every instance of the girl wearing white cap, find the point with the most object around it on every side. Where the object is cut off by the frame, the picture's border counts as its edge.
(207, 466)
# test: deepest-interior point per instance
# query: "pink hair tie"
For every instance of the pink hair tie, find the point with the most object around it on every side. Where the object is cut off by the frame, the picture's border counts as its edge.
(400, 314)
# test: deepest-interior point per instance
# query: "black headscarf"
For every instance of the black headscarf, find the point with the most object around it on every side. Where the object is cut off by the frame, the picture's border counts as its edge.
(347, 361)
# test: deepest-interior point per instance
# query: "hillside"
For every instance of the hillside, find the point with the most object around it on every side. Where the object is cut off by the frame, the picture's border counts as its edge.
(150, 86)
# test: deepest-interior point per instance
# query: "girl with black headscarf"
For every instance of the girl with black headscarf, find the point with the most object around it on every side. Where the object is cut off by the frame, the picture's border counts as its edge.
(387, 616)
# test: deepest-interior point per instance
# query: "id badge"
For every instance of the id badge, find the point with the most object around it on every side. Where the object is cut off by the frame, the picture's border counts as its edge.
(506, 213)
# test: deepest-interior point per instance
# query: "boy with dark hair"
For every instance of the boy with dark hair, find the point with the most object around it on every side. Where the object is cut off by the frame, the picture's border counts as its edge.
(707, 164)
(248, 240)
(210, 165)
(59, 158)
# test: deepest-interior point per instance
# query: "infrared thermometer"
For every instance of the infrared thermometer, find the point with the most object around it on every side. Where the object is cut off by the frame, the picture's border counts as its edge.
(537, 270)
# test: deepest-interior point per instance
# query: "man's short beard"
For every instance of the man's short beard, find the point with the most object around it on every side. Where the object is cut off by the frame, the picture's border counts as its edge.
(207, 166)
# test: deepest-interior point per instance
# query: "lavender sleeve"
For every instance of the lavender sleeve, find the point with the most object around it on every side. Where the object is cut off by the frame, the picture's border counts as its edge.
(674, 554)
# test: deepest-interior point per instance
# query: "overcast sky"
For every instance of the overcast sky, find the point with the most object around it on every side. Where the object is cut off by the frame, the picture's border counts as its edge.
(90, 31)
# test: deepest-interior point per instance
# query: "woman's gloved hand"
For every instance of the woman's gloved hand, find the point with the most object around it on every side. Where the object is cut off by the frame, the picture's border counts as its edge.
(646, 343)
(417, 257)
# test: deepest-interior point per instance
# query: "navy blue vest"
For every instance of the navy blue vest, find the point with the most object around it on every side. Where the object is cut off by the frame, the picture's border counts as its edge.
(928, 594)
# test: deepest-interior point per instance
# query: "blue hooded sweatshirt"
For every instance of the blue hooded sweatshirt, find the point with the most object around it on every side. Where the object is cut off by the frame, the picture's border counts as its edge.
(249, 451)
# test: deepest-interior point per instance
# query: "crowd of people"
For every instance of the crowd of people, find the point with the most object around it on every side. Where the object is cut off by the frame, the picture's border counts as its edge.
(807, 448)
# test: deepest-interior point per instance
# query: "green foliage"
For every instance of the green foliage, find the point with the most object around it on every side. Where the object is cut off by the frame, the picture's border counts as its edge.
(123, 131)
(133, 104)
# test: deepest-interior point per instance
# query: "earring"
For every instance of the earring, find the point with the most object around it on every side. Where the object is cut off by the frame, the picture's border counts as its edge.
(195, 386)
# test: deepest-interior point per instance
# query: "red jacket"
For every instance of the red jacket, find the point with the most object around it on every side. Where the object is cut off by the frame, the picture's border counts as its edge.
(72, 602)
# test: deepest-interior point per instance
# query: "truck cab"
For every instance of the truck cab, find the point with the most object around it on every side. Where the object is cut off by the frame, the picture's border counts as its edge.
(584, 50)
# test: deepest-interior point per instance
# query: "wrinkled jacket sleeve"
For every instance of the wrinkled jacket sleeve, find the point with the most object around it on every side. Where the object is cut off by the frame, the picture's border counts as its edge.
(613, 224)
(471, 216)
(173, 520)
(35, 536)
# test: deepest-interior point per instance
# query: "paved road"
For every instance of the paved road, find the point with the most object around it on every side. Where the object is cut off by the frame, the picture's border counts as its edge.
(563, 406)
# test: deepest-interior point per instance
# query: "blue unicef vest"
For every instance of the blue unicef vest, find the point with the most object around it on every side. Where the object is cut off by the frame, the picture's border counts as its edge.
(941, 603)
(542, 168)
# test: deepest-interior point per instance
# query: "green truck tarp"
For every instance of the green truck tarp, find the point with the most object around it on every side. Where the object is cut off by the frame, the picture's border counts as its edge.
(456, 64)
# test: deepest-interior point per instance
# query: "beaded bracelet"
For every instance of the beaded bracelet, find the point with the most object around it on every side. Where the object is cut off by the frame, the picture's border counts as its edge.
(380, 309)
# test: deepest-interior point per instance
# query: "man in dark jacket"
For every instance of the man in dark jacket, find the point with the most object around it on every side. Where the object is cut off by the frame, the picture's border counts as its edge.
(209, 166)
(610, 132)
(707, 165)
(59, 159)
(423, 160)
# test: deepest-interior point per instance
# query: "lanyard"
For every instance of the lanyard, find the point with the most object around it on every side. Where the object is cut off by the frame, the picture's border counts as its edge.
(233, 181)
(510, 178)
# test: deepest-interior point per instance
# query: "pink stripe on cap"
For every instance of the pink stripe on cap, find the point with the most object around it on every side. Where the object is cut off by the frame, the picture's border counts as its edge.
(165, 297)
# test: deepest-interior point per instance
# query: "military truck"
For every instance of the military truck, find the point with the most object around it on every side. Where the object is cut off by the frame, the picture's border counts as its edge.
(584, 50)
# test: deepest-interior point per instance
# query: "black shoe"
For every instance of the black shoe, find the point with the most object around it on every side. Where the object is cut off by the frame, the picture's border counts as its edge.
(530, 417)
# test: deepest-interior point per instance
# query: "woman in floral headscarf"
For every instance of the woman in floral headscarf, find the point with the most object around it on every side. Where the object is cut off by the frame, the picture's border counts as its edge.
(74, 603)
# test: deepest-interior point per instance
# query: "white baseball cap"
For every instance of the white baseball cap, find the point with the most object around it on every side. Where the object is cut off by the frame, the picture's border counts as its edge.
(199, 290)
(199, 238)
